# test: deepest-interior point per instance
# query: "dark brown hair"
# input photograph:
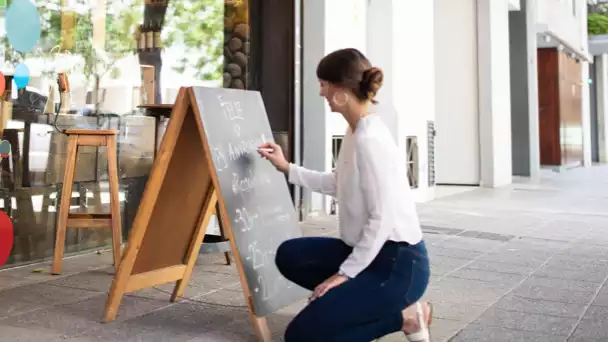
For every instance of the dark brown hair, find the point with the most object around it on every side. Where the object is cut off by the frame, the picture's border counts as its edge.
(350, 69)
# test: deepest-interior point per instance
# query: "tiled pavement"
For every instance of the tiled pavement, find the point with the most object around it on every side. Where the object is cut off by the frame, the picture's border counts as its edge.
(524, 263)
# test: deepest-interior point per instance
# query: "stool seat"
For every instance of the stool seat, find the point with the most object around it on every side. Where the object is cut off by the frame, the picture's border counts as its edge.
(65, 219)
(86, 131)
(81, 220)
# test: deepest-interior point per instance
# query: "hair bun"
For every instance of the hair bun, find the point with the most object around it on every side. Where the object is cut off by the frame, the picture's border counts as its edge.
(371, 83)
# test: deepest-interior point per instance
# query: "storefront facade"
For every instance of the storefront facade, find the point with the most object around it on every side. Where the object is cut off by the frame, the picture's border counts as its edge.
(105, 49)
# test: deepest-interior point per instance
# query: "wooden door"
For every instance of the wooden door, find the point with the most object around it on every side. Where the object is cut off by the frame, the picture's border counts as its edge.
(549, 107)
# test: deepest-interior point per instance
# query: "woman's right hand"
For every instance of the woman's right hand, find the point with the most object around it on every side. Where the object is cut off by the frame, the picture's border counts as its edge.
(274, 154)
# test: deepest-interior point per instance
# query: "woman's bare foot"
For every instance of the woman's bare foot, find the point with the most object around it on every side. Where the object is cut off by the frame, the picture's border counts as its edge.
(416, 320)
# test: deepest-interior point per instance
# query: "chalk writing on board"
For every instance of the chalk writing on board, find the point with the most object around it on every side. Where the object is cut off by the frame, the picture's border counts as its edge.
(248, 182)
(218, 159)
(256, 256)
(269, 291)
(232, 109)
(246, 219)
(243, 147)
(255, 196)
(273, 215)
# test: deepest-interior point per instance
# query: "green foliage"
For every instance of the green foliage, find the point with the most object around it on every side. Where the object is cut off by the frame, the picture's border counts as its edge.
(199, 26)
(597, 23)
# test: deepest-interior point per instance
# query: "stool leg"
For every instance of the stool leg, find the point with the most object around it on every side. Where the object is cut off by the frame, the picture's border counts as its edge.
(64, 206)
(222, 232)
(114, 199)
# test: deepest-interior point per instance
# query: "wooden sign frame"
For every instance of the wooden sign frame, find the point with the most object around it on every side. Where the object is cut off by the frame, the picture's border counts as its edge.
(180, 196)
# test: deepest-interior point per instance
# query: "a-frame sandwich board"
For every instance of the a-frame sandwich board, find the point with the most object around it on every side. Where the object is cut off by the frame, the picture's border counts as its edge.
(170, 224)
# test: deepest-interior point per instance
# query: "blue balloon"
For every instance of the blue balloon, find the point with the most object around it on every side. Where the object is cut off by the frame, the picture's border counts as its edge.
(22, 23)
(21, 76)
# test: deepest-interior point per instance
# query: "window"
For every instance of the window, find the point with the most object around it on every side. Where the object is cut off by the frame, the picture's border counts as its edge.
(412, 161)
(336, 144)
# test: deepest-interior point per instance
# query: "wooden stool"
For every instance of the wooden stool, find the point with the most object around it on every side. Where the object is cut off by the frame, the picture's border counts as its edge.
(88, 137)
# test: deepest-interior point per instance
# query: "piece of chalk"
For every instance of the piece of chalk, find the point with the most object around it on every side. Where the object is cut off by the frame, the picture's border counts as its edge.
(269, 150)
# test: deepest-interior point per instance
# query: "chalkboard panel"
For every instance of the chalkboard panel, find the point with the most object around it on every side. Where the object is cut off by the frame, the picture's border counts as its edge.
(255, 194)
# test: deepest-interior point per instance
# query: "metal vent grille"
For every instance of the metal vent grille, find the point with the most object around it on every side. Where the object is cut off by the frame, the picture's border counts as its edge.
(412, 161)
(336, 145)
(431, 150)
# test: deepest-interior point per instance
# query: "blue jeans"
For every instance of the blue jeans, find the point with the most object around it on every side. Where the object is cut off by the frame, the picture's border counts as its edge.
(362, 309)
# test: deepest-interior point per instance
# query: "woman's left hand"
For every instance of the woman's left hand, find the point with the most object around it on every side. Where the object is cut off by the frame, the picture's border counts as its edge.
(333, 281)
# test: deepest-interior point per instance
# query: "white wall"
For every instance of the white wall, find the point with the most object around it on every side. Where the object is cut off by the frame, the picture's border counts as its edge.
(472, 78)
(400, 41)
(397, 36)
(328, 25)
(559, 18)
(456, 84)
(494, 92)
(347, 25)
(413, 22)
(514, 5)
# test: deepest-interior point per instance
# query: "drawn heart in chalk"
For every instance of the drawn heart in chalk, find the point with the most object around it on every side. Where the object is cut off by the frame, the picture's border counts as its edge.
(5, 149)
(7, 237)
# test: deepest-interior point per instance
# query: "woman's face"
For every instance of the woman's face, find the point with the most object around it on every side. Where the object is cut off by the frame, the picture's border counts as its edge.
(332, 94)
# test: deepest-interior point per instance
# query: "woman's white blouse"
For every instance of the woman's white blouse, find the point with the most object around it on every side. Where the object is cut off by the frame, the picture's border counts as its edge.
(373, 191)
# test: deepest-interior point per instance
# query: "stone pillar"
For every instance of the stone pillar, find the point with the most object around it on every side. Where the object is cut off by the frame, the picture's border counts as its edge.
(524, 91)
(585, 93)
(494, 92)
(601, 84)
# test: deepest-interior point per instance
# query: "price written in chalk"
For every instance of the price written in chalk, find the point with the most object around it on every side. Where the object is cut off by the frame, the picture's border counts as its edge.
(269, 291)
(247, 221)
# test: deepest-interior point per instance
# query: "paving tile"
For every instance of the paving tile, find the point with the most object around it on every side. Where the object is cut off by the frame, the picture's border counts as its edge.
(602, 297)
(443, 329)
(71, 265)
(179, 322)
(567, 260)
(456, 253)
(540, 307)
(9, 282)
(518, 257)
(29, 334)
(225, 336)
(553, 294)
(507, 279)
(212, 280)
(441, 265)
(479, 333)
(232, 299)
(597, 314)
(585, 249)
(457, 311)
(574, 274)
(562, 284)
(79, 317)
(453, 290)
(501, 267)
(549, 325)
(99, 280)
(471, 244)
(26, 298)
(589, 330)
(535, 245)
(568, 264)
